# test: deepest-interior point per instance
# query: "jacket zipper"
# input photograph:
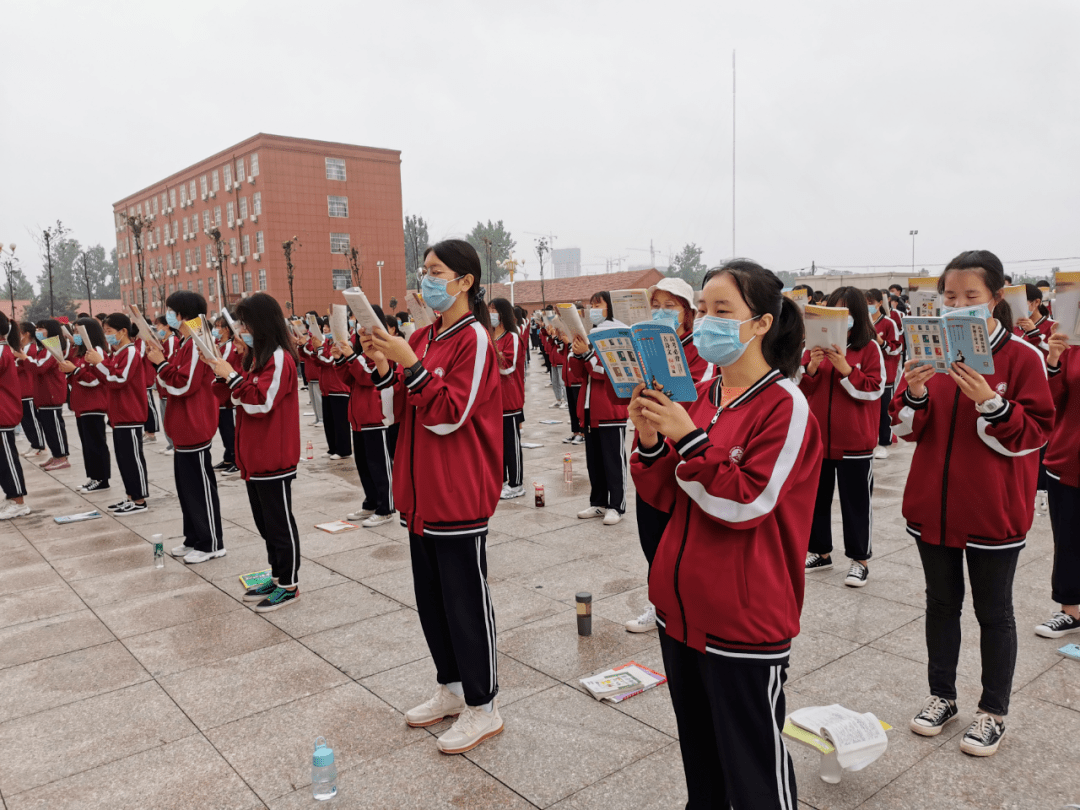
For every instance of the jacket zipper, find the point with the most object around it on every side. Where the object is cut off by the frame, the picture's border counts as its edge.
(945, 468)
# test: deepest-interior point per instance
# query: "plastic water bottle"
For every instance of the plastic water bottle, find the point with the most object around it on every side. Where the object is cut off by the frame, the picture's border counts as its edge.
(310, 451)
(567, 470)
(323, 772)
(159, 551)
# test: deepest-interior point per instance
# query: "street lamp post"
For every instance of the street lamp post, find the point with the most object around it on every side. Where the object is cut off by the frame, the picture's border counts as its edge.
(380, 264)
(9, 265)
(913, 234)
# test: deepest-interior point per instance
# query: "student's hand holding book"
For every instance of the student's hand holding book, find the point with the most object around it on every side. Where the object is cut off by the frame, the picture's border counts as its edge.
(344, 349)
(817, 354)
(394, 349)
(92, 357)
(665, 415)
(838, 359)
(66, 366)
(917, 377)
(221, 368)
(1058, 342)
(154, 356)
(973, 384)
(581, 346)
(647, 436)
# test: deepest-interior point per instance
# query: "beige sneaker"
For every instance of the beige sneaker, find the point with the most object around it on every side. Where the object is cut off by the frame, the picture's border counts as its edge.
(611, 517)
(444, 704)
(471, 728)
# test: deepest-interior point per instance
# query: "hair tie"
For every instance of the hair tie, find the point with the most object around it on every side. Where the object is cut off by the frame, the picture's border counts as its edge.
(480, 293)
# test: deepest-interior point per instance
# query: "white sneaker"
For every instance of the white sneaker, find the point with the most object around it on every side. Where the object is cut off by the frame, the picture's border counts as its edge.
(195, 557)
(472, 727)
(643, 623)
(182, 551)
(168, 451)
(1042, 506)
(556, 404)
(363, 513)
(591, 512)
(509, 493)
(377, 520)
(14, 510)
(32, 453)
(881, 452)
(611, 517)
(443, 704)
(336, 457)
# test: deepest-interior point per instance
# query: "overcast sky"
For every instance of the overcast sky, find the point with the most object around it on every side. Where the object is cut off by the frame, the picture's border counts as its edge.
(605, 123)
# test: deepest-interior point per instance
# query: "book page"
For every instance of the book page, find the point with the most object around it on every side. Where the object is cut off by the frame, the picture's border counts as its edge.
(1016, 298)
(615, 349)
(859, 738)
(146, 332)
(924, 303)
(1067, 305)
(361, 307)
(800, 297)
(630, 307)
(661, 353)
(569, 315)
(85, 338)
(925, 338)
(825, 326)
(55, 348)
(421, 313)
(339, 323)
(967, 342)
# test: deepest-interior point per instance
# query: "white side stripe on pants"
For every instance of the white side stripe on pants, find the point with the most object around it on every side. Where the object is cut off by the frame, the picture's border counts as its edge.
(136, 444)
(292, 535)
(215, 544)
(389, 467)
(489, 622)
(783, 788)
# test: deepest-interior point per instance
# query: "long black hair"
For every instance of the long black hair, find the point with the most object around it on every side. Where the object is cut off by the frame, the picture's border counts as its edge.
(52, 326)
(874, 296)
(1035, 293)
(118, 321)
(262, 317)
(9, 327)
(94, 332)
(461, 257)
(605, 296)
(761, 289)
(993, 275)
(27, 328)
(862, 330)
(187, 304)
(507, 319)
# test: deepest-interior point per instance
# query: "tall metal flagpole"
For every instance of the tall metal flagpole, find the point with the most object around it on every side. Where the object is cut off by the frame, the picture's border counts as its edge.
(733, 253)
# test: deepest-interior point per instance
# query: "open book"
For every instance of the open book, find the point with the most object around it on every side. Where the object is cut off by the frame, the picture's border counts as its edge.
(859, 738)
(339, 323)
(255, 579)
(361, 307)
(940, 342)
(55, 347)
(630, 306)
(1071, 651)
(923, 297)
(1016, 298)
(335, 526)
(569, 315)
(648, 353)
(1067, 305)
(421, 314)
(77, 518)
(825, 326)
(203, 341)
(146, 331)
(620, 683)
(801, 298)
(81, 330)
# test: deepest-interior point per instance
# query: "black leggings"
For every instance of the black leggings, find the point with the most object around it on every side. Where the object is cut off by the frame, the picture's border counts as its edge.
(97, 460)
(227, 431)
(885, 425)
(336, 424)
(376, 468)
(52, 424)
(30, 425)
(513, 464)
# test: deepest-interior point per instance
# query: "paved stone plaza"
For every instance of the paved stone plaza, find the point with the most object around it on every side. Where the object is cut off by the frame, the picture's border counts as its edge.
(125, 686)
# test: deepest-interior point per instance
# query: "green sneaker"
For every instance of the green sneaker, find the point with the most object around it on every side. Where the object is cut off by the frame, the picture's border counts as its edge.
(279, 598)
(260, 593)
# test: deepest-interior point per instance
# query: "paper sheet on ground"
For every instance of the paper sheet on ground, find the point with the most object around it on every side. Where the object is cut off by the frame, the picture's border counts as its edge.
(859, 738)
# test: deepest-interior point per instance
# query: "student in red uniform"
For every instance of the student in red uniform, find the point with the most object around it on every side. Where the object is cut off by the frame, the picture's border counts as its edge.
(11, 413)
(27, 349)
(50, 394)
(90, 403)
(169, 339)
(306, 350)
(740, 466)
(446, 486)
(1062, 463)
(603, 416)
(122, 371)
(573, 379)
(970, 494)
(672, 303)
(891, 342)
(335, 396)
(1037, 327)
(844, 386)
(511, 352)
(369, 417)
(268, 440)
(191, 421)
(225, 337)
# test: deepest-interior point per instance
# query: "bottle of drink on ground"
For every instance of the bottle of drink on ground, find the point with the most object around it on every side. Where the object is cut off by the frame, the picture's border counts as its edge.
(323, 771)
(159, 550)
(310, 451)
(567, 470)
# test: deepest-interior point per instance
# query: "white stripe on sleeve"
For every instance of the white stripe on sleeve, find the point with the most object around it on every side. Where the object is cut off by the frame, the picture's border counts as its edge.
(474, 387)
(867, 396)
(272, 391)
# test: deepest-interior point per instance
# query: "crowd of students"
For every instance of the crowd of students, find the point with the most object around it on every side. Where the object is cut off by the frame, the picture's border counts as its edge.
(734, 490)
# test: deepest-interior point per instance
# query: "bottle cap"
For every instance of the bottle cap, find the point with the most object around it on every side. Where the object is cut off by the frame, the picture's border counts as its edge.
(323, 755)
(583, 597)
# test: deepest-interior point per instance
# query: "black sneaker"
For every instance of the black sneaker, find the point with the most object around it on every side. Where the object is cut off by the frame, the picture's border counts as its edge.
(569, 439)
(983, 736)
(114, 507)
(278, 599)
(932, 719)
(232, 468)
(94, 486)
(856, 575)
(261, 592)
(222, 465)
(815, 562)
(1061, 624)
(130, 507)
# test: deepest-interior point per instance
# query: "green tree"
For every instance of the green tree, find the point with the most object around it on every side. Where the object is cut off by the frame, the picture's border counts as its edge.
(416, 242)
(58, 284)
(787, 277)
(688, 266)
(494, 244)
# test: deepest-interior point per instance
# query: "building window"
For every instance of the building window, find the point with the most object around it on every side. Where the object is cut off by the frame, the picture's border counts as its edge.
(339, 243)
(247, 245)
(160, 266)
(254, 164)
(240, 170)
(247, 281)
(335, 169)
(227, 171)
(342, 278)
(185, 228)
(256, 203)
(138, 209)
(198, 256)
(157, 235)
(155, 206)
(172, 198)
(235, 284)
(168, 262)
(338, 206)
(232, 246)
(206, 219)
(175, 230)
(259, 246)
(194, 224)
(172, 289)
(214, 180)
(262, 278)
(199, 286)
(243, 208)
(202, 185)
(217, 215)
(183, 196)
(211, 285)
(229, 211)
(191, 191)
(187, 258)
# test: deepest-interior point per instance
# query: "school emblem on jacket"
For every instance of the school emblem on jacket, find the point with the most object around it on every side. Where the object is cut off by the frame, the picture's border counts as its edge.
(736, 454)
(1001, 388)
(439, 371)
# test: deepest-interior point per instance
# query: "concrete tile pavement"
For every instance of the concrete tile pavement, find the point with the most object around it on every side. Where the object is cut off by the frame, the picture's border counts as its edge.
(122, 685)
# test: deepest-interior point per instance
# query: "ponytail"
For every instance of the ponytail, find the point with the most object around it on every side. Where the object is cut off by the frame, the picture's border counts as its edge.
(782, 344)
(1003, 314)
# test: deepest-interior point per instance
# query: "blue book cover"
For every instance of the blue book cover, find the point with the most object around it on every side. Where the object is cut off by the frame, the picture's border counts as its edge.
(649, 353)
(940, 342)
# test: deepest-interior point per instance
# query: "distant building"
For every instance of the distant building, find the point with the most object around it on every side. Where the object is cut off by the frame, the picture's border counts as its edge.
(89, 306)
(260, 193)
(530, 296)
(863, 281)
(567, 262)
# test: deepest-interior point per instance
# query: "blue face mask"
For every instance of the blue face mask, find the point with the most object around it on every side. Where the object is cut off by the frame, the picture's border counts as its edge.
(216, 333)
(113, 339)
(352, 323)
(249, 339)
(596, 315)
(872, 309)
(162, 333)
(717, 339)
(77, 339)
(41, 335)
(435, 294)
(974, 311)
(494, 319)
(670, 317)
(172, 320)
(850, 322)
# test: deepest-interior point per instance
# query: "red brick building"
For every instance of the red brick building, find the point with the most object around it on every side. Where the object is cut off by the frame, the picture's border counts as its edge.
(528, 295)
(259, 193)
